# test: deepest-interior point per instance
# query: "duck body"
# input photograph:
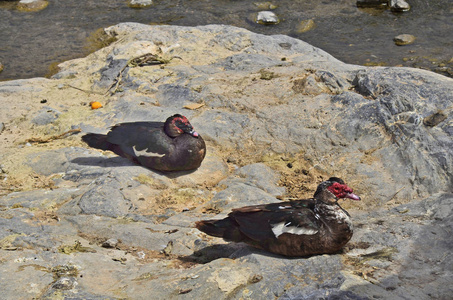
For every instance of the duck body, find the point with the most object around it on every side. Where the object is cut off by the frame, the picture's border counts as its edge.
(296, 228)
(169, 146)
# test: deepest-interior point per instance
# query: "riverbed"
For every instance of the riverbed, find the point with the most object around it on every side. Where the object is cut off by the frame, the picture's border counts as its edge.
(33, 43)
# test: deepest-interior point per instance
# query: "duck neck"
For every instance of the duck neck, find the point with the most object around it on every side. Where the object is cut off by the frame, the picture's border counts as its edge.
(333, 216)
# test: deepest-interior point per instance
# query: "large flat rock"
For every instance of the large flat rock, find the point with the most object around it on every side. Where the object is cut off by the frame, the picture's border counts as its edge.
(278, 116)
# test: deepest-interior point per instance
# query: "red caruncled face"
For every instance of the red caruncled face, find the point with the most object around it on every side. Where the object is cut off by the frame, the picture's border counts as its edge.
(342, 191)
(181, 124)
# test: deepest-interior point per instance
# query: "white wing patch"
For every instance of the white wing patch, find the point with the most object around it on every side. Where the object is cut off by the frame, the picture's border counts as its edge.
(147, 154)
(281, 228)
(284, 207)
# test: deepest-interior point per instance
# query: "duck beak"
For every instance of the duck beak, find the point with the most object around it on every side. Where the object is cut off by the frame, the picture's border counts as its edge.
(353, 196)
(193, 133)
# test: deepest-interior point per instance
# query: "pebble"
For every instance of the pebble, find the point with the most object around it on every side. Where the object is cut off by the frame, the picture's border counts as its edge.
(265, 5)
(140, 3)
(305, 25)
(65, 283)
(2, 127)
(267, 18)
(110, 243)
(399, 5)
(404, 39)
(32, 5)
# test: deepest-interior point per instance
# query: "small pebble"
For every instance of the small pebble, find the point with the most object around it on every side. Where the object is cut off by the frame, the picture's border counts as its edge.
(32, 5)
(110, 243)
(141, 255)
(399, 5)
(265, 5)
(65, 283)
(267, 18)
(404, 39)
(140, 3)
(305, 26)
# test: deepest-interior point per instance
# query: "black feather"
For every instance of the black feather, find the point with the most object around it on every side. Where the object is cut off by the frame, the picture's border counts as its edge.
(98, 141)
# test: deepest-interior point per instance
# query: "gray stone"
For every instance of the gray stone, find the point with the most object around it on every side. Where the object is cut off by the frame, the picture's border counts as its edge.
(46, 116)
(251, 185)
(65, 75)
(267, 17)
(110, 243)
(386, 131)
(262, 177)
(175, 95)
(140, 3)
(105, 199)
(399, 5)
(40, 199)
(32, 5)
(239, 194)
(404, 39)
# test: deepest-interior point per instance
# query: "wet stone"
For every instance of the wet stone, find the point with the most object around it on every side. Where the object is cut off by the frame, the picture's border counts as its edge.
(399, 5)
(140, 3)
(434, 119)
(404, 39)
(305, 25)
(265, 5)
(267, 18)
(32, 5)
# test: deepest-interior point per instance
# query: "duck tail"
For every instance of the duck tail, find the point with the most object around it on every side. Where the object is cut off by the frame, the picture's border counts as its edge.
(98, 141)
(224, 228)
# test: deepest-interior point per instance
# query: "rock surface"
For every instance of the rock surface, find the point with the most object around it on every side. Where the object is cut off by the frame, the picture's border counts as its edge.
(278, 116)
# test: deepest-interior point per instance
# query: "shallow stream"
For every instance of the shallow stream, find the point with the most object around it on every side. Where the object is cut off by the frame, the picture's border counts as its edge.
(32, 42)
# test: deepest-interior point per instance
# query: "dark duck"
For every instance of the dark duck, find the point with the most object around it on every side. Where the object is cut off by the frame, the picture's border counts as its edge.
(295, 228)
(170, 146)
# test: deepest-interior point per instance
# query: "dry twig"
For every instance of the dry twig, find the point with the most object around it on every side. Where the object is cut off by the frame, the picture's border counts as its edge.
(54, 137)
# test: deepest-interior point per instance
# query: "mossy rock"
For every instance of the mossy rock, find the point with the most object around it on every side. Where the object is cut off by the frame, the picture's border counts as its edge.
(31, 5)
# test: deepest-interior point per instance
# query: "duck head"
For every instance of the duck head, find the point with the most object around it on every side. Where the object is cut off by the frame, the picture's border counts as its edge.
(177, 125)
(333, 189)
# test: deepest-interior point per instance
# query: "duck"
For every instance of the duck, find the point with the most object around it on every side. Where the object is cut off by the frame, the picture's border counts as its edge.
(167, 146)
(295, 228)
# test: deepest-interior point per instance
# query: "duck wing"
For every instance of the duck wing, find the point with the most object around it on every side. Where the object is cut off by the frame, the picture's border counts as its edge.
(140, 138)
(267, 222)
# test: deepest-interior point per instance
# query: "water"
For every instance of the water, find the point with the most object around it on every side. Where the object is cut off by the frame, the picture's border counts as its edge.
(30, 43)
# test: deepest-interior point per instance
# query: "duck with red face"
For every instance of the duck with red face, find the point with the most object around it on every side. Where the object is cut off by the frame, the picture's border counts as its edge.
(318, 225)
(170, 146)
